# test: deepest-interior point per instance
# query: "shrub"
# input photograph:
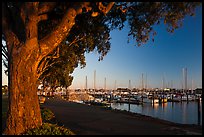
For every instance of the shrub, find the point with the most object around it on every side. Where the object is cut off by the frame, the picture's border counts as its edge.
(49, 129)
(47, 114)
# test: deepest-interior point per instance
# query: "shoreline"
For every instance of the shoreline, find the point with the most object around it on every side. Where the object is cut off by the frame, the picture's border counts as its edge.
(195, 126)
(146, 116)
(84, 119)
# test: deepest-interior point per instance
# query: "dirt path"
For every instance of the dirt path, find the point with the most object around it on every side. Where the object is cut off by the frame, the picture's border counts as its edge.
(92, 120)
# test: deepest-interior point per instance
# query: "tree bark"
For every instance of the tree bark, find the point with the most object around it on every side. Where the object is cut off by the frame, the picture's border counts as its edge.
(24, 109)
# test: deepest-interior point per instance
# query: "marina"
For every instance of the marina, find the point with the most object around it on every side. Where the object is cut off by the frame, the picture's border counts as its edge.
(171, 105)
(183, 106)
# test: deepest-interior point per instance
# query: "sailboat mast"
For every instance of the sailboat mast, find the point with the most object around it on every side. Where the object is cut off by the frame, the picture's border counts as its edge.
(94, 79)
(105, 84)
(86, 83)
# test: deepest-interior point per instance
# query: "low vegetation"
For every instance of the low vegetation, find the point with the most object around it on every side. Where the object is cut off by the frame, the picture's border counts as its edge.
(47, 115)
(49, 126)
(49, 129)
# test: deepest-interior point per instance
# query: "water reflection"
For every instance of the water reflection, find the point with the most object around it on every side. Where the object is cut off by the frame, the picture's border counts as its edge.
(199, 113)
(185, 113)
(155, 106)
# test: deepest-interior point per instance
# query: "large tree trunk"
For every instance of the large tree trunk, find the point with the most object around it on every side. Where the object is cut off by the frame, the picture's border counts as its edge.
(24, 109)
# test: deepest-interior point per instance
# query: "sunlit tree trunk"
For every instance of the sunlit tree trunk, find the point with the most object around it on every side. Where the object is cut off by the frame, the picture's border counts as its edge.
(24, 110)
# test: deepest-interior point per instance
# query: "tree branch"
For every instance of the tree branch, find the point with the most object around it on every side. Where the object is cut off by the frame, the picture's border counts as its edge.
(46, 67)
(4, 50)
(5, 64)
(42, 17)
(6, 57)
(52, 40)
(31, 10)
(22, 13)
(105, 9)
(46, 7)
(76, 40)
(43, 63)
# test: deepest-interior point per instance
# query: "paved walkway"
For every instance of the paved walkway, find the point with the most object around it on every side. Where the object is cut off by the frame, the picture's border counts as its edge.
(92, 120)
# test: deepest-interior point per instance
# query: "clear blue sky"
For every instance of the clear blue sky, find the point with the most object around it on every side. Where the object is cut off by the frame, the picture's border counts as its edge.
(166, 57)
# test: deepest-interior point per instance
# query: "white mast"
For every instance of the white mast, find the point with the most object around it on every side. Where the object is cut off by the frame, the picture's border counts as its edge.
(129, 84)
(105, 84)
(86, 83)
(186, 84)
(163, 82)
(146, 81)
(171, 84)
(192, 87)
(115, 85)
(184, 79)
(142, 82)
(94, 79)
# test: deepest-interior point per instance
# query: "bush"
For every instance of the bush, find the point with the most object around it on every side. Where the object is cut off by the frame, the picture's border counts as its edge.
(47, 114)
(49, 129)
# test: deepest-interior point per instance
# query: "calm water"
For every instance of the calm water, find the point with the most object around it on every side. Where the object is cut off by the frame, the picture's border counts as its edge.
(184, 113)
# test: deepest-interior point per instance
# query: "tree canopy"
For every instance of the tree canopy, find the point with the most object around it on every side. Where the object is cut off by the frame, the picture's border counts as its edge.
(92, 30)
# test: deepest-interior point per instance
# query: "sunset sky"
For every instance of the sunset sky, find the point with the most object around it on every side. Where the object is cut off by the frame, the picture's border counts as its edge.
(165, 57)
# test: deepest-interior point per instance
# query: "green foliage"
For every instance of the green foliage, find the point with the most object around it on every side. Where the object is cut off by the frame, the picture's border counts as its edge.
(93, 33)
(89, 34)
(49, 129)
(95, 36)
(47, 114)
(143, 16)
(58, 70)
